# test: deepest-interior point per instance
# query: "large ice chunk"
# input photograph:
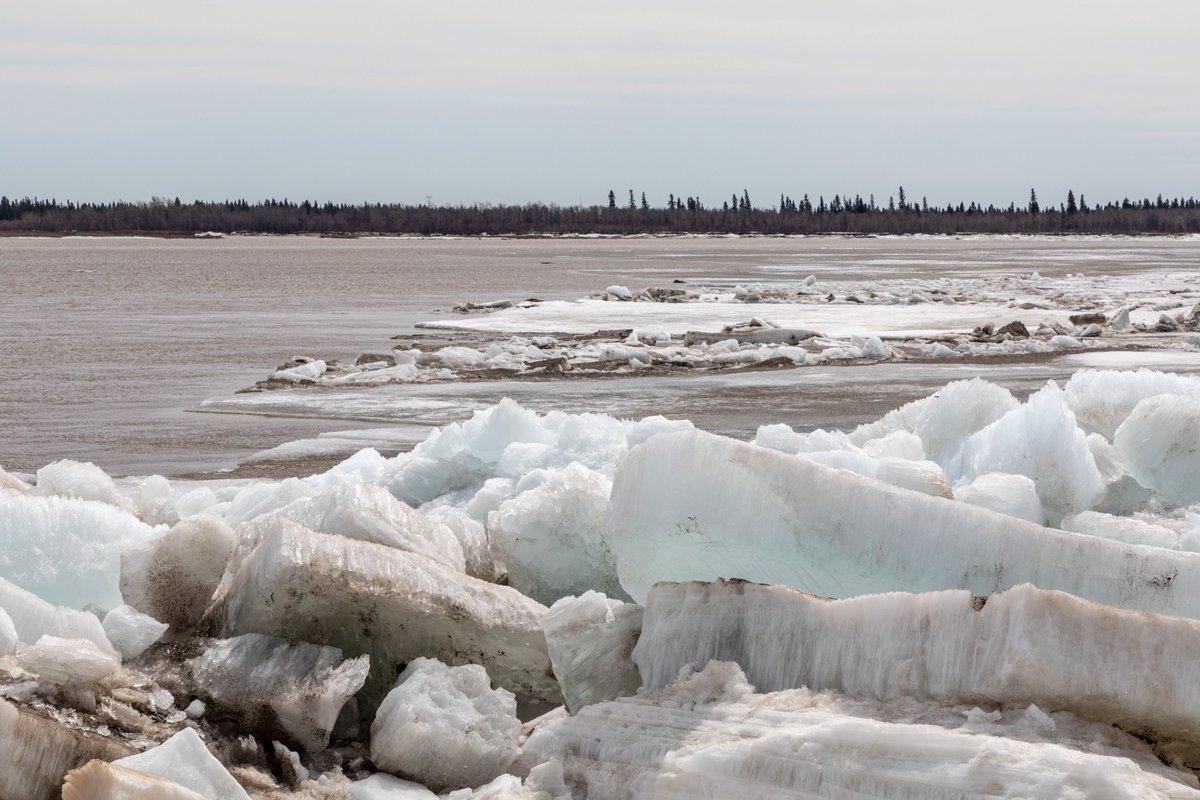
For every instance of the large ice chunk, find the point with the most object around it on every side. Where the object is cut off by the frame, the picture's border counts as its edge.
(365, 512)
(774, 518)
(1102, 399)
(78, 480)
(184, 759)
(172, 576)
(387, 787)
(8, 633)
(99, 781)
(36, 752)
(131, 632)
(956, 410)
(1122, 529)
(1014, 495)
(392, 604)
(59, 660)
(549, 534)
(1041, 441)
(33, 618)
(1160, 444)
(278, 690)
(11, 483)
(710, 736)
(1022, 645)
(63, 550)
(590, 639)
(471, 535)
(445, 726)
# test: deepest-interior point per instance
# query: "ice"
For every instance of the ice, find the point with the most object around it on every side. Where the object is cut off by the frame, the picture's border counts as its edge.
(36, 752)
(184, 759)
(8, 633)
(364, 512)
(78, 480)
(276, 689)
(710, 736)
(956, 410)
(173, 575)
(1022, 645)
(445, 726)
(99, 781)
(387, 787)
(1102, 399)
(59, 660)
(773, 518)
(1160, 444)
(921, 476)
(545, 782)
(549, 536)
(590, 639)
(33, 618)
(66, 551)
(472, 538)
(11, 483)
(152, 500)
(1040, 440)
(309, 371)
(131, 632)
(1121, 529)
(395, 605)
(619, 292)
(1014, 495)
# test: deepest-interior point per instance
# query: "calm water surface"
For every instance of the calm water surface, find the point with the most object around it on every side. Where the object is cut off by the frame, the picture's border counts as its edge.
(109, 342)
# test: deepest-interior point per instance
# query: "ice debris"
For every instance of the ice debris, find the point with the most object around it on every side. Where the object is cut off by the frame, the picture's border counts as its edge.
(78, 480)
(59, 660)
(1160, 444)
(590, 639)
(131, 632)
(32, 618)
(445, 726)
(184, 759)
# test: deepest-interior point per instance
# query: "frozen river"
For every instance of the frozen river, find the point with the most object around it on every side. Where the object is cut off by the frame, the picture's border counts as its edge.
(111, 344)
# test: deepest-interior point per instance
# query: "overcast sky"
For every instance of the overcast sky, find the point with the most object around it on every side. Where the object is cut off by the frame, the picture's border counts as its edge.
(559, 101)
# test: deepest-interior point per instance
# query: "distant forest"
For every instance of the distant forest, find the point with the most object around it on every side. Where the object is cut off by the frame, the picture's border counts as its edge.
(616, 216)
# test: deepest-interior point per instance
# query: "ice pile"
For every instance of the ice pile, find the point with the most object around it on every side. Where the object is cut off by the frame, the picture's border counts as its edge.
(1003, 575)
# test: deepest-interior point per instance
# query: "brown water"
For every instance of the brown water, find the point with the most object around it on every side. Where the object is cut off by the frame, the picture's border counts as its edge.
(108, 342)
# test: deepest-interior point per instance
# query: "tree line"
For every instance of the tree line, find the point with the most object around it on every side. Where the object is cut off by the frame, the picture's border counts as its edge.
(736, 214)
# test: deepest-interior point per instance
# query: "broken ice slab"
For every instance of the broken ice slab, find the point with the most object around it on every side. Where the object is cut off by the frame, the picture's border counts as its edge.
(173, 575)
(66, 551)
(445, 727)
(36, 752)
(711, 736)
(695, 506)
(97, 780)
(34, 618)
(1160, 443)
(391, 604)
(8, 633)
(184, 759)
(590, 638)
(360, 511)
(275, 689)
(1022, 645)
(548, 534)
(386, 787)
(131, 632)
(59, 660)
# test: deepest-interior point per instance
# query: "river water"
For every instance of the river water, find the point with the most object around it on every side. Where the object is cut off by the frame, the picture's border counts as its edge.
(110, 344)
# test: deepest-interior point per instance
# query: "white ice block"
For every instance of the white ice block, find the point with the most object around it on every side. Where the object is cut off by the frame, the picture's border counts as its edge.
(172, 576)
(1014, 495)
(131, 632)
(590, 639)
(59, 660)
(549, 536)
(1160, 444)
(97, 780)
(364, 512)
(276, 689)
(34, 618)
(1103, 399)
(388, 787)
(445, 726)
(391, 604)
(78, 480)
(1040, 440)
(66, 551)
(710, 736)
(694, 506)
(1021, 645)
(184, 759)
(8, 633)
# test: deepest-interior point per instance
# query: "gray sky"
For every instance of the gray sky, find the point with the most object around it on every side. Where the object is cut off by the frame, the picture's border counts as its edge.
(560, 101)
